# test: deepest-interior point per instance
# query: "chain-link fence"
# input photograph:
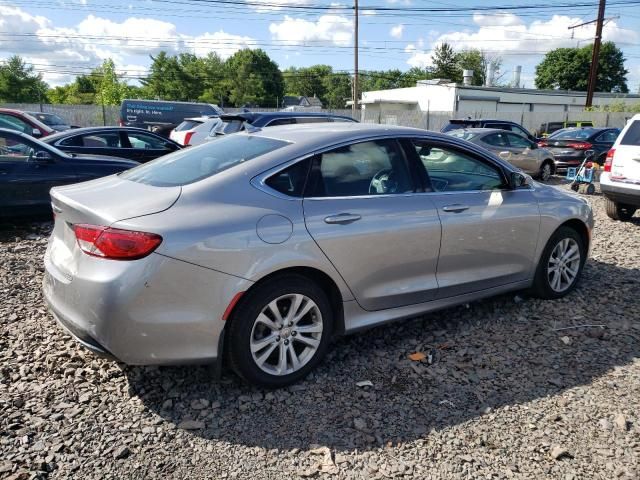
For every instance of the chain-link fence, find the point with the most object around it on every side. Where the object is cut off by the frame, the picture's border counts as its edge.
(92, 115)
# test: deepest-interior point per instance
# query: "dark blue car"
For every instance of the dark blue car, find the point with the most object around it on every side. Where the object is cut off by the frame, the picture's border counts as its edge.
(29, 168)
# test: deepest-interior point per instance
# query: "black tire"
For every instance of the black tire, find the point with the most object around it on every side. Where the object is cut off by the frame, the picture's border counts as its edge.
(618, 211)
(591, 189)
(545, 173)
(575, 187)
(244, 316)
(541, 287)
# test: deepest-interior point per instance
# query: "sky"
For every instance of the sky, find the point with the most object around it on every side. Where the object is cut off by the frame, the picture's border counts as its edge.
(63, 38)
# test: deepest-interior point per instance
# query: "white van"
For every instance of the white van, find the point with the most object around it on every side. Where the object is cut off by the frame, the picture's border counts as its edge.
(620, 181)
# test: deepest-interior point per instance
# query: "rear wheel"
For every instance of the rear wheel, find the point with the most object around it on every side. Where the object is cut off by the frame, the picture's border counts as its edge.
(560, 264)
(546, 170)
(618, 211)
(280, 331)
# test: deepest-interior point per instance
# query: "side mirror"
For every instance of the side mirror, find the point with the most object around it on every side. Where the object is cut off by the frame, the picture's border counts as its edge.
(519, 180)
(36, 133)
(43, 157)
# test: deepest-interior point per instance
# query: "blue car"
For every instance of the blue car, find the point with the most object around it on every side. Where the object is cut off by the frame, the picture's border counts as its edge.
(29, 168)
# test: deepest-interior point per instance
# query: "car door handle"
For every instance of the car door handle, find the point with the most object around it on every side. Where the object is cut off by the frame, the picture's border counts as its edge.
(342, 218)
(504, 154)
(455, 208)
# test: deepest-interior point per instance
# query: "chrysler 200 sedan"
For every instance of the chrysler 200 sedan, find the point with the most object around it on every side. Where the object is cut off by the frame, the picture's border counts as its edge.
(264, 244)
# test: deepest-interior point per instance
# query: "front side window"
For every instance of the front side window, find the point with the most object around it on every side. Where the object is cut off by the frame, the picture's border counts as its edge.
(516, 141)
(497, 139)
(196, 163)
(145, 142)
(13, 123)
(456, 171)
(15, 150)
(366, 168)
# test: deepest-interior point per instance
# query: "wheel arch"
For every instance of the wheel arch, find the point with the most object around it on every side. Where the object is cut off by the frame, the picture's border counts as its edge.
(317, 276)
(580, 227)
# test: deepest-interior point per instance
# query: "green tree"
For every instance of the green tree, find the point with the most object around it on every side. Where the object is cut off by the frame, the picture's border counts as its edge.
(111, 91)
(568, 69)
(338, 90)
(445, 63)
(214, 89)
(163, 81)
(253, 79)
(19, 83)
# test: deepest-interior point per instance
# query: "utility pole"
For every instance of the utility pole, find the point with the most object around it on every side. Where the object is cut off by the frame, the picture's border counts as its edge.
(355, 105)
(593, 71)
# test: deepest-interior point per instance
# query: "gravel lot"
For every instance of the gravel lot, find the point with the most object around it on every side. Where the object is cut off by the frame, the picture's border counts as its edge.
(507, 395)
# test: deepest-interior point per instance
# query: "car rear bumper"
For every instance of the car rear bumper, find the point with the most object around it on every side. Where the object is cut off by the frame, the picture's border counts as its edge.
(153, 311)
(566, 162)
(620, 192)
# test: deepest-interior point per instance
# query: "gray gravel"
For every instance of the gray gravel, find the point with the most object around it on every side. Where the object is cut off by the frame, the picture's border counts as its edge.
(501, 392)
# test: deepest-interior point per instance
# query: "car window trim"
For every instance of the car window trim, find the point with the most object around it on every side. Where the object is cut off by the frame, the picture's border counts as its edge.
(482, 159)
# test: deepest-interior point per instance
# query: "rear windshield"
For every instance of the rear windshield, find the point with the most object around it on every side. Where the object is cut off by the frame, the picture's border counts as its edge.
(581, 134)
(49, 119)
(632, 135)
(187, 125)
(464, 134)
(456, 126)
(196, 163)
(229, 126)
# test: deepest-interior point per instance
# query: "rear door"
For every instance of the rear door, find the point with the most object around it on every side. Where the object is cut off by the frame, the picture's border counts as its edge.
(106, 142)
(361, 208)
(489, 232)
(524, 156)
(626, 161)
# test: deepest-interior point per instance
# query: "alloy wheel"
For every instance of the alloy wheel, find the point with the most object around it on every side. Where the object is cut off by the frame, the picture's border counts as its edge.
(545, 173)
(564, 265)
(286, 334)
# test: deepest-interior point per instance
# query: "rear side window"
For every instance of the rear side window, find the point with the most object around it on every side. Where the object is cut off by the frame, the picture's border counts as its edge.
(196, 163)
(632, 135)
(291, 180)
(496, 139)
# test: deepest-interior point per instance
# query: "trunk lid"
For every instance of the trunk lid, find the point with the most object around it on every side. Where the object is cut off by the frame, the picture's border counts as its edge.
(98, 202)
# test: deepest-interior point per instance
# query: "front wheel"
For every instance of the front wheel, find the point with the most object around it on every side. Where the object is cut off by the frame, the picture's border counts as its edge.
(280, 331)
(560, 264)
(618, 211)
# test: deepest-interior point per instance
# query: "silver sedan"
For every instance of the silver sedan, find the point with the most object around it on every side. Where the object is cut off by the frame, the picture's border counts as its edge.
(515, 149)
(265, 244)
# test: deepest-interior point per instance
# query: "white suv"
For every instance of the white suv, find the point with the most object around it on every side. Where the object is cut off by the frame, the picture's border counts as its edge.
(194, 131)
(620, 181)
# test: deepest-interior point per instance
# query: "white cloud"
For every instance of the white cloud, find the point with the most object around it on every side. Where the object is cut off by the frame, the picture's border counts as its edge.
(61, 53)
(334, 29)
(508, 34)
(396, 31)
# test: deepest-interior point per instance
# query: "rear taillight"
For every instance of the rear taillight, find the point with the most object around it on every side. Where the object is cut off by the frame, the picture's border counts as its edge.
(609, 160)
(187, 138)
(580, 145)
(121, 123)
(115, 244)
(543, 144)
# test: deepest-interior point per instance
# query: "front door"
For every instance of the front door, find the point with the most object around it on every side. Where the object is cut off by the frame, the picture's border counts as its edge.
(361, 209)
(489, 232)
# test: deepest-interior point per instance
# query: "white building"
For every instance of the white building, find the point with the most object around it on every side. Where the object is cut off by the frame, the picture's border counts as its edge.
(442, 96)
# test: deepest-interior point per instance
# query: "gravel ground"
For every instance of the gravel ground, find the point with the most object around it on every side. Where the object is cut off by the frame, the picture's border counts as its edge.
(507, 394)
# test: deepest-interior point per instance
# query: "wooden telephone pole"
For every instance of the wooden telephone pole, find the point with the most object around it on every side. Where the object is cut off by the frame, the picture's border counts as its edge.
(593, 70)
(355, 105)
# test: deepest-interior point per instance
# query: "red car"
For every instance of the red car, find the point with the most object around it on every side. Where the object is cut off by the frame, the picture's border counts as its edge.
(24, 123)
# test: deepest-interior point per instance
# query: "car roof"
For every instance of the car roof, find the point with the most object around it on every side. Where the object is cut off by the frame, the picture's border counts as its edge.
(479, 130)
(284, 114)
(76, 131)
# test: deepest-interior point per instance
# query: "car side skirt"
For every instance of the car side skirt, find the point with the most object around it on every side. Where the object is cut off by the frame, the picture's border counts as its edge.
(357, 319)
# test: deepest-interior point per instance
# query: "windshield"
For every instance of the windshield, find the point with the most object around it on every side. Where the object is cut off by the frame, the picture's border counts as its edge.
(578, 134)
(48, 118)
(464, 134)
(196, 163)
